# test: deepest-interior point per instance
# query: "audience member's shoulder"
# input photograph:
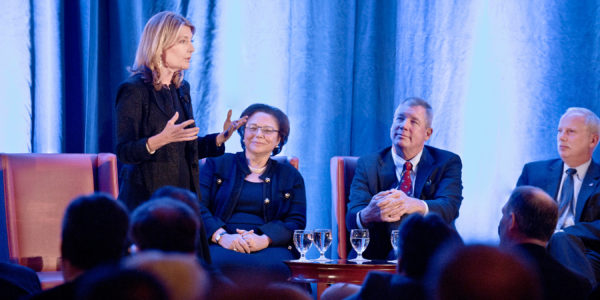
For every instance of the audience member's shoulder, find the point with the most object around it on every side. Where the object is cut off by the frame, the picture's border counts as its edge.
(64, 291)
(18, 280)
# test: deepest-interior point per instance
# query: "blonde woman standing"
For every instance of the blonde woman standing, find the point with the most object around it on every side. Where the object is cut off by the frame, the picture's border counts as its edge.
(157, 139)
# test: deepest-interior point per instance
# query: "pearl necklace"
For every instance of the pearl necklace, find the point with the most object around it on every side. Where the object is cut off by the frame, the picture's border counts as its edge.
(257, 170)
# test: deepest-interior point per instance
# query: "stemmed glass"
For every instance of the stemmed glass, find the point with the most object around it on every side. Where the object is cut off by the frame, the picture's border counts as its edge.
(322, 240)
(394, 240)
(359, 238)
(302, 240)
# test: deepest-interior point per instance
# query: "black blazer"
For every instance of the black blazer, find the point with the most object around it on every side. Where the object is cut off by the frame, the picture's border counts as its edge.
(438, 182)
(284, 204)
(547, 176)
(142, 113)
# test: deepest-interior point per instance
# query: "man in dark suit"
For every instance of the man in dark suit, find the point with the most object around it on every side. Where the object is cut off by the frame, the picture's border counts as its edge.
(406, 178)
(574, 182)
(528, 221)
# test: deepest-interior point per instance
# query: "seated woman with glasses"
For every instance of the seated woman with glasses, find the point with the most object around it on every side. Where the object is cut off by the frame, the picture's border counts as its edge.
(251, 204)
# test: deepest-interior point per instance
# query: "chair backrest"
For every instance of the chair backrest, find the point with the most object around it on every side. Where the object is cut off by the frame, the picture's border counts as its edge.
(37, 188)
(294, 161)
(342, 172)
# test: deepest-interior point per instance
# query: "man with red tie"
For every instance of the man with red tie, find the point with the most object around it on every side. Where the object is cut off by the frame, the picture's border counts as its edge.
(406, 178)
(573, 180)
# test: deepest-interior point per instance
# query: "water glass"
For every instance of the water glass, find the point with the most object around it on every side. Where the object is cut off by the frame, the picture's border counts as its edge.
(322, 240)
(394, 240)
(302, 240)
(359, 238)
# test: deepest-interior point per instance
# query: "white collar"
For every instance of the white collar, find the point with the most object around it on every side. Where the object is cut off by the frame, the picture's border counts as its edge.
(399, 161)
(581, 169)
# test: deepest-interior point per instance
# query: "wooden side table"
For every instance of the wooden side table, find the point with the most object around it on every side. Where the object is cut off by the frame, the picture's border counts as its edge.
(341, 270)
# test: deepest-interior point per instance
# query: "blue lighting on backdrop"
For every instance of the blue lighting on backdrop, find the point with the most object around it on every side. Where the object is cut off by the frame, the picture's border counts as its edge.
(498, 73)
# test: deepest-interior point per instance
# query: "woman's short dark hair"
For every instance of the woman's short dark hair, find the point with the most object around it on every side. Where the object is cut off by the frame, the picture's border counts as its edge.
(282, 121)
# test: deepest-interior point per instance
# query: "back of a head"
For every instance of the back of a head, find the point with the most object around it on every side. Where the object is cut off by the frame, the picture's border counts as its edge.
(177, 193)
(165, 224)
(536, 213)
(419, 239)
(482, 272)
(180, 274)
(121, 284)
(94, 231)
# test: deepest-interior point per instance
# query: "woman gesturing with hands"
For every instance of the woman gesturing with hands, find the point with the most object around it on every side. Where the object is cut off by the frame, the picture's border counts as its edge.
(157, 140)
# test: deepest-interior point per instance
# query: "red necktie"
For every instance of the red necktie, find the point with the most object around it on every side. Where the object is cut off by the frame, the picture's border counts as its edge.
(406, 183)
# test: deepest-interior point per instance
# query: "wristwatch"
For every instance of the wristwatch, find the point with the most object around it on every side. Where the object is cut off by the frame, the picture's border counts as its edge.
(218, 237)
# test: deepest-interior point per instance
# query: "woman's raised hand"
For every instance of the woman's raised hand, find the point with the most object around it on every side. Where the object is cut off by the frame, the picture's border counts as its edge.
(229, 127)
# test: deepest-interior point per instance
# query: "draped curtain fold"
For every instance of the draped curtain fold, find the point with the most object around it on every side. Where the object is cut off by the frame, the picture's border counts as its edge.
(498, 73)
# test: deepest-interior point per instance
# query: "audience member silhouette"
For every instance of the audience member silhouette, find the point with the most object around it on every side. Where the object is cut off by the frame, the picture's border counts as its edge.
(165, 224)
(190, 199)
(17, 281)
(94, 233)
(169, 225)
(528, 221)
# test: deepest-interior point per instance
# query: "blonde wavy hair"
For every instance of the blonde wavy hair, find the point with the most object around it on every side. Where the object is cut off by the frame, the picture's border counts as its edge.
(159, 34)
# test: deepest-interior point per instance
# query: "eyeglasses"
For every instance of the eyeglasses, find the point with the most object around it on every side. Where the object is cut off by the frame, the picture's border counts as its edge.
(266, 130)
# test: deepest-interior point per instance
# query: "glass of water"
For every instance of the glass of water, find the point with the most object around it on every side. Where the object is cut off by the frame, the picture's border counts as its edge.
(359, 238)
(322, 240)
(394, 240)
(302, 240)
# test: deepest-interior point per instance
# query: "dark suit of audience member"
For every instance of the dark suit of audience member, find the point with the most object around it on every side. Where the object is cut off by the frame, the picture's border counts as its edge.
(528, 221)
(94, 234)
(157, 140)
(481, 272)
(420, 238)
(252, 204)
(434, 175)
(121, 284)
(17, 281)
(576, 242)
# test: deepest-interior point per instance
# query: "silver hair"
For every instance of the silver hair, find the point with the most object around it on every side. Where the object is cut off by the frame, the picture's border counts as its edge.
(592, 122)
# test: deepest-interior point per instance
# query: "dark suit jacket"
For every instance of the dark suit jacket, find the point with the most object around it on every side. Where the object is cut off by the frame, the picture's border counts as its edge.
(438, 182)
(547, 176)
(379, 285)
(142, 113)
(558, 282)
(221, 183)
(17, 281)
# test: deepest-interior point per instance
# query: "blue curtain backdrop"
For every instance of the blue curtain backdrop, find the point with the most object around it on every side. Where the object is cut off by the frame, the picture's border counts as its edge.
(498, 73)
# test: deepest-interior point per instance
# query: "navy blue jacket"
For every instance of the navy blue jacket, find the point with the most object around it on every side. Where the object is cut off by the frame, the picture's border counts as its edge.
(284, 196)
(547, 175)
(438, 182)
